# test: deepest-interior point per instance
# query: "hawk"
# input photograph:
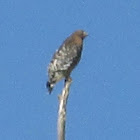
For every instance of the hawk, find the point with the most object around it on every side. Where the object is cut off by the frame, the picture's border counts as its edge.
(65, 59)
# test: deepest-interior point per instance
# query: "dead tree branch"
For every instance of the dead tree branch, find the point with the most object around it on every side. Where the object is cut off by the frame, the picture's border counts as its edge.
(62, 110)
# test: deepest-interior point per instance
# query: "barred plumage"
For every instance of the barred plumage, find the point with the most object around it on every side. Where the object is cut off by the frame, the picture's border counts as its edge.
(65, 59)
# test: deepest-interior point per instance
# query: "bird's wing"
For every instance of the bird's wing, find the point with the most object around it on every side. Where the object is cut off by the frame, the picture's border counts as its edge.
(66, 57)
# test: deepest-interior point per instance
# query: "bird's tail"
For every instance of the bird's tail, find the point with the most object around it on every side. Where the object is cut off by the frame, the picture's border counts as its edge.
(49, 86)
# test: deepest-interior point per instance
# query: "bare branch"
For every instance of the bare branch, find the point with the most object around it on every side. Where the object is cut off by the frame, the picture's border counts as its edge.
(62, 110)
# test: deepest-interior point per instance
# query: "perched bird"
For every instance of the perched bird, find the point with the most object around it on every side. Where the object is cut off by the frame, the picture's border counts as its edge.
(65, 59)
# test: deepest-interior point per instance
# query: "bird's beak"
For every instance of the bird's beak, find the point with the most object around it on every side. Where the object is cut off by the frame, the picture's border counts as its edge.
(85, 34)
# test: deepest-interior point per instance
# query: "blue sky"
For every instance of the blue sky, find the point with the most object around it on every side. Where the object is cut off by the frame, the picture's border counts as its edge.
(104, 101)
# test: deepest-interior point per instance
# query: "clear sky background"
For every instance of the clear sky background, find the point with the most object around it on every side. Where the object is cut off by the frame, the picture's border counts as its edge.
(104, 101)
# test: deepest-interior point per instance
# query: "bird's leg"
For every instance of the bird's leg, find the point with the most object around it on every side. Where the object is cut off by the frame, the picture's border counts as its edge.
(67, 79)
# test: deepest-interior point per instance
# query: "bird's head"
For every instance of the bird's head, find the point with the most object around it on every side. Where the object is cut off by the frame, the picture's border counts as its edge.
(80, 33)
